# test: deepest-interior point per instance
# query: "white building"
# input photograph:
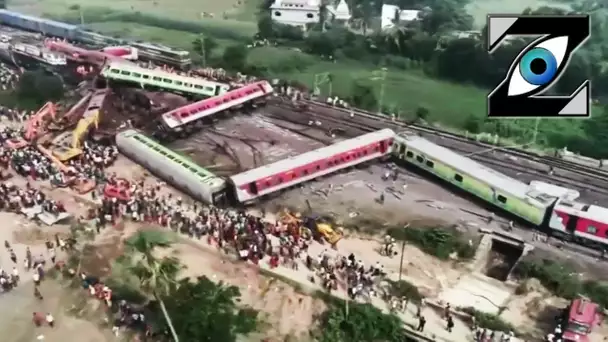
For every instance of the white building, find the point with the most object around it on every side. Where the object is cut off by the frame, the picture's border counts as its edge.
(340, 13)
(389, 13)
(296, 12)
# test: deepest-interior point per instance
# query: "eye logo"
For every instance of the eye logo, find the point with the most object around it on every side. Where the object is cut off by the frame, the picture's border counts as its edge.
(538, 66)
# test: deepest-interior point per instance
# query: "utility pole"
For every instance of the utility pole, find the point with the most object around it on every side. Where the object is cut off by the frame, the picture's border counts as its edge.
(402, 254)
(382, 78)
(203, 52)
(535, 134)
(321, 79)
(81, 11)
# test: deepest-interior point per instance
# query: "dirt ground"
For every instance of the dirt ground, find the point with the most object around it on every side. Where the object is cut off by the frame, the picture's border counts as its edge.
(539, 306)
(286, 312)
(243, 142)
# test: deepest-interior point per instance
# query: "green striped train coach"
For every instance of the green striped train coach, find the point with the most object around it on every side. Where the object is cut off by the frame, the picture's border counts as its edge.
(175, 169)
(479, 180)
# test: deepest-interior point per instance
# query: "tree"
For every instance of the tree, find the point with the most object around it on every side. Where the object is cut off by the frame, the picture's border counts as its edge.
(156, 276)
(350, 321)
(205, 311)
(204, 46)
(320, 44)
(235, 57)
(362, 96)
(596, 129)
(40, 86)
(446, 16)
(422, 113)
(266, 27)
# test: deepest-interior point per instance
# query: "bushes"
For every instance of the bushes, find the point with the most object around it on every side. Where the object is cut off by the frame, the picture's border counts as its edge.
(353, 321)
(489, 321)
(562, 280)
(439, 242)
(406, 289)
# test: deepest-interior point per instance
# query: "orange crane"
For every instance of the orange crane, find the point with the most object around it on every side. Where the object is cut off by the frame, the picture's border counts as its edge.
(36, 125)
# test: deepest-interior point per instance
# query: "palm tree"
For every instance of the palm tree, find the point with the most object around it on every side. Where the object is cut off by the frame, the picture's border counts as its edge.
(157, 277)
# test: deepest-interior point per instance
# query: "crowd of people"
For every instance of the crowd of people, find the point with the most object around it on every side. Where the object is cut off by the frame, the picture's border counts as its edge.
(29, 161)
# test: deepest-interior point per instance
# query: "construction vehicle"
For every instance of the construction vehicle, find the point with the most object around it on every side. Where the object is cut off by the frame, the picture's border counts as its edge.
(69, 119)
(36, 125)
(81, 185)
(313, 226)
(68, 145)
(580, 317)
(321, 228)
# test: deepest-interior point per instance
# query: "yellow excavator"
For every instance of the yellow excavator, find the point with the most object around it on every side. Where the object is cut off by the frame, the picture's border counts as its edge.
(69, 144)
(314, 225)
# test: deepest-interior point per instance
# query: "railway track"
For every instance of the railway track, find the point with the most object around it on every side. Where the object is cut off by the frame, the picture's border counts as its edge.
(353, 128)
(380, 121)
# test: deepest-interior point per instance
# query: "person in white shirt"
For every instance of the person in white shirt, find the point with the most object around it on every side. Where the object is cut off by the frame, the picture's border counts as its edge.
(36, 278)
(15, 275)
(50, 320)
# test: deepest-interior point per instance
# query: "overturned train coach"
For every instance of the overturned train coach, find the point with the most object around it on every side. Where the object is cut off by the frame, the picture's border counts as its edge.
(253, 184)
(177, 170)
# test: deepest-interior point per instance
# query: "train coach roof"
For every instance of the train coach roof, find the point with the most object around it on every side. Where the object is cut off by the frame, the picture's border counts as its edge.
(38, 19)
(285, 165)
(206, 176)
(134, 68)
(477, 170)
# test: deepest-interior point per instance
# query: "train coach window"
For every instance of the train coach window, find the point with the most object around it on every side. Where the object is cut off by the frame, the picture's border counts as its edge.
(253, 188)
(179, 83)
(502, 199)
(592, 230)
(430, 163)
(114, 71)
(318, 167)
(305, 172)
(136, 75)
(458, 177)
(146, 77)
(196, 86)
(125, 73)
(401, 149)
(156, 78)
(420, 159)
(166, 80)
(410, 154)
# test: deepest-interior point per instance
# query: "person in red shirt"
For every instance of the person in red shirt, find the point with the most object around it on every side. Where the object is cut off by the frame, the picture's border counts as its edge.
(38, 318)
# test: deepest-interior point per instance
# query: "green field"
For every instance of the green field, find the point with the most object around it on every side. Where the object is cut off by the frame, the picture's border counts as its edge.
(174, 9)
(450, 105)
(174, 38)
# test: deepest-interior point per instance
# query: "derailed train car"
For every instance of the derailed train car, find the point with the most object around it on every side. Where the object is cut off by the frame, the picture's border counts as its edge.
(177, 170)
(45, 26)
